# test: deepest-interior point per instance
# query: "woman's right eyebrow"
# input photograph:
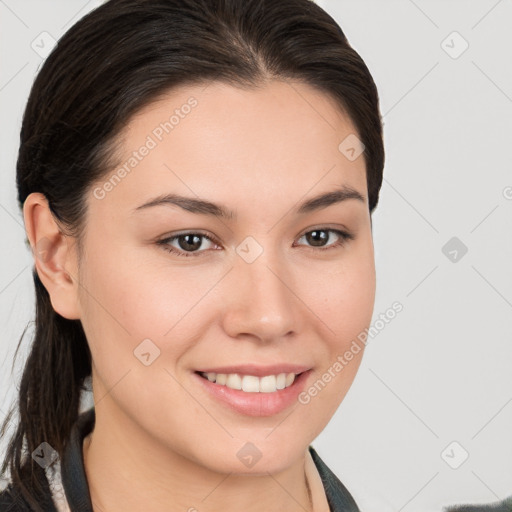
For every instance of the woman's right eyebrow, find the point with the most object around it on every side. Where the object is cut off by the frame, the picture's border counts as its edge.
(205, 207)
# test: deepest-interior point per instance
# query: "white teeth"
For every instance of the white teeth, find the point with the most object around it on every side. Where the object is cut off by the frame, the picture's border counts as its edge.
(251, 383)
(289, 379)
(281, 381)
(221, 378)
(234, 381)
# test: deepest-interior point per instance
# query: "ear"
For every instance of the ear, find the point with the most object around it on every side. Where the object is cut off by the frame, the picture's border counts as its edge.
(55, 256)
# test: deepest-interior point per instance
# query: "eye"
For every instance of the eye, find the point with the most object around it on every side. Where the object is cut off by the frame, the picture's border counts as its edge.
(189, 243)
(319, 236)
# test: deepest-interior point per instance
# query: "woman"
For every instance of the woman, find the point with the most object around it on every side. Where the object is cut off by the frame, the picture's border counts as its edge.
(197, 179)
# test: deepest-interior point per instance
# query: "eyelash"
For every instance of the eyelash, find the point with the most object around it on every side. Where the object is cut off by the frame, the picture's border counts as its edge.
(344, 237)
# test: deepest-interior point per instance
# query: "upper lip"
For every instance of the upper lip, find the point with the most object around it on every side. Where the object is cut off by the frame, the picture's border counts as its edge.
(257, 370)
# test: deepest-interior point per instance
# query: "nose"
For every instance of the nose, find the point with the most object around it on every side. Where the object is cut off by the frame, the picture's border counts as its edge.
(260, 300)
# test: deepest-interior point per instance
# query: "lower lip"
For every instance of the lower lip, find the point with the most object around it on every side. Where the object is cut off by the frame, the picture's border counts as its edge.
(256, 404)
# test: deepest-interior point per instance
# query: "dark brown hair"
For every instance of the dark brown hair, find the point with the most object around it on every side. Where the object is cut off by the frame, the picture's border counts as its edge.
(117, 59)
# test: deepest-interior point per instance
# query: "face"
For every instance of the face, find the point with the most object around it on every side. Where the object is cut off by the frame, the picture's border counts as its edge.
(276, 285)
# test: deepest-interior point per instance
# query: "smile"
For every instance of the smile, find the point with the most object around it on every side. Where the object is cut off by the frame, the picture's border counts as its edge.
(252, 389)
(251, 383)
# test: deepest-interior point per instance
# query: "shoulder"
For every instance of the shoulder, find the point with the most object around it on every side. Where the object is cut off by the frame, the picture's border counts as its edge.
(499, 506)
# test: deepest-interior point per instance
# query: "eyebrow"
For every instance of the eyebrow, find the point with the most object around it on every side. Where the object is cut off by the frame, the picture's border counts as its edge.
(201, 206)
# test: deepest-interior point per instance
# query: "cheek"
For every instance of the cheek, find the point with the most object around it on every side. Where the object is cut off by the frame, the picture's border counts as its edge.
(345, 296)
(137, 313)
(141, 297)
(344, 302)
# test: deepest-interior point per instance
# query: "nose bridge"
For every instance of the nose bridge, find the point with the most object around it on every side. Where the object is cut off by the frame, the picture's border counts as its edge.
(262, 303)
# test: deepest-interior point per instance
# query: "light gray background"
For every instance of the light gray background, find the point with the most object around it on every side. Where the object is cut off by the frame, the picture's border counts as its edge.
(441, 370)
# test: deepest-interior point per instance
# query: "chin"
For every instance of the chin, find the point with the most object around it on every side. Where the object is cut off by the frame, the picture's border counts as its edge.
(256, 458)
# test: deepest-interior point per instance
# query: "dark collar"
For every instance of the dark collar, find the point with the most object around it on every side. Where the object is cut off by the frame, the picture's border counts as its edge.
(73, 476)
(338, 497)
(77, 489)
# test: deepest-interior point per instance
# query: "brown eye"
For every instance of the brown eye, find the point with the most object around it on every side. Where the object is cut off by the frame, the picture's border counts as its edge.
(319, 237)
(188, 244)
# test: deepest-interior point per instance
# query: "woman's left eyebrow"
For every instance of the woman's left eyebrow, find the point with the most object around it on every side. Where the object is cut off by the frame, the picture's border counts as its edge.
(204, 207)
(343, 193)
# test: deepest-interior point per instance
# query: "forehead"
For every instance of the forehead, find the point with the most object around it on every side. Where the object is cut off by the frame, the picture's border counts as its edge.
(282, 137)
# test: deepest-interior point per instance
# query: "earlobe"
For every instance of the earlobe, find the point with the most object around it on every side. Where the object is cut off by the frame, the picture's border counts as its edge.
(54, 256)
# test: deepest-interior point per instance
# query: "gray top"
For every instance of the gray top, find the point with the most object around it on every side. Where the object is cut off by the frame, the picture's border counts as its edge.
(498, 506)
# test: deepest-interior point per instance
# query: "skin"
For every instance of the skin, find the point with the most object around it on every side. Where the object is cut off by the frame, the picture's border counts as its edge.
(160, 442)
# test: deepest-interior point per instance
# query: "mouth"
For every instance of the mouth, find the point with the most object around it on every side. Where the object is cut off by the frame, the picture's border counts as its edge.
(252, 383)
(256, 391)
